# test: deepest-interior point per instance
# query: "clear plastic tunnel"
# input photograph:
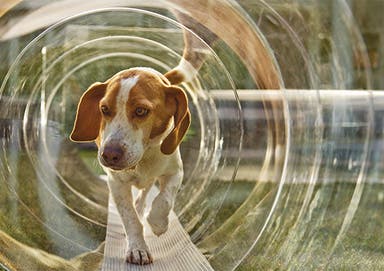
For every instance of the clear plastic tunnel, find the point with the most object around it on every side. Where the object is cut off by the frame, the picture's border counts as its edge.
(284, 158)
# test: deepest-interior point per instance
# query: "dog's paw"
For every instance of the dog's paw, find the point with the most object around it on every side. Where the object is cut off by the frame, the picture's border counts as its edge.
(159, 224)
(139, 256)
(158, 216)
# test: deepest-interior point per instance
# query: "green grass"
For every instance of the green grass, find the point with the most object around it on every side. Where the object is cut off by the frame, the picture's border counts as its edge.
(90, 159)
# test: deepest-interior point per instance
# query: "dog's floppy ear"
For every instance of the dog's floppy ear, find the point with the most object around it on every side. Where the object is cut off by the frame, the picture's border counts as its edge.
(182, 119)
(88, 116)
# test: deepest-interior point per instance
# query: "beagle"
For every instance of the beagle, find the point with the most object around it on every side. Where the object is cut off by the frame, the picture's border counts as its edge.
(137, 118)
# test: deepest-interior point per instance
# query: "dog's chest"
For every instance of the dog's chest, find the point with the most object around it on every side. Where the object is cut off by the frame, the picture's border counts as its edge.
(152, 165)
(138, 177)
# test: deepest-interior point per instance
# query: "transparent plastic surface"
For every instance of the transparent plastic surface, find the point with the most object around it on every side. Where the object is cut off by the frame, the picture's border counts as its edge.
(283, 161)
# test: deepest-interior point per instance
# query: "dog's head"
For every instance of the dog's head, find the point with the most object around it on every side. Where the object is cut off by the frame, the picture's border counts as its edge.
(134, 109)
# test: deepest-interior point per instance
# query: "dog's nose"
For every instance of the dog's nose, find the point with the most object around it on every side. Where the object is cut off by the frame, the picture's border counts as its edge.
(112, 155)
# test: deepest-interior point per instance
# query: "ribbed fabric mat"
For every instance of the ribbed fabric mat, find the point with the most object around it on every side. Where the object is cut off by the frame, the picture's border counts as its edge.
(172, 251)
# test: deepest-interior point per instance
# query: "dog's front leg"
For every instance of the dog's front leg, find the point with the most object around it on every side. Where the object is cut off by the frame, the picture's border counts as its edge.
(163, 203)
(140, 200)
(137, 252)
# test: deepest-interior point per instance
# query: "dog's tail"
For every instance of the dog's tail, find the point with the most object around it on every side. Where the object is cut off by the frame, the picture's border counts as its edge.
(197, 38)
(184, 72)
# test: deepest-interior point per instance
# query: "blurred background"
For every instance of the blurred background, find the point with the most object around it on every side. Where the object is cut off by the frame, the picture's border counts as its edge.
(320, 27)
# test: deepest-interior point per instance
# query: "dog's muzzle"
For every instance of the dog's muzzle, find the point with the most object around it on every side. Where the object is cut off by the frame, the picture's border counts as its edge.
(115, 156)
(112, 156)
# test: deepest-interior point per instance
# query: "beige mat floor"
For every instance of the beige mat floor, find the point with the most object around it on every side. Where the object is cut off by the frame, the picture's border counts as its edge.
(172, 251)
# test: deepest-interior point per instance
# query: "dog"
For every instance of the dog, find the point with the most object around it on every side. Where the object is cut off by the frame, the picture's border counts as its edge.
(137, 119)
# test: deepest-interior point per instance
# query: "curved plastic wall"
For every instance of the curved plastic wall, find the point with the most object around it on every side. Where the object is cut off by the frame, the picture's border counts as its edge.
(283, 160)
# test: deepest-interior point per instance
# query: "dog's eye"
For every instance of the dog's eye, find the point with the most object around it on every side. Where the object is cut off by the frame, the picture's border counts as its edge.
(104, 109)
(141, 111)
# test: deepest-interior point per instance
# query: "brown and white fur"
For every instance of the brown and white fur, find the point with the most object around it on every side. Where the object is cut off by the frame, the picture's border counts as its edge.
(137, 119)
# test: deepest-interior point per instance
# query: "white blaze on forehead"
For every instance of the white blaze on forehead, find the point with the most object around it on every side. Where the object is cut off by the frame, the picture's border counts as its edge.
(119, 129)
(126, 84)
